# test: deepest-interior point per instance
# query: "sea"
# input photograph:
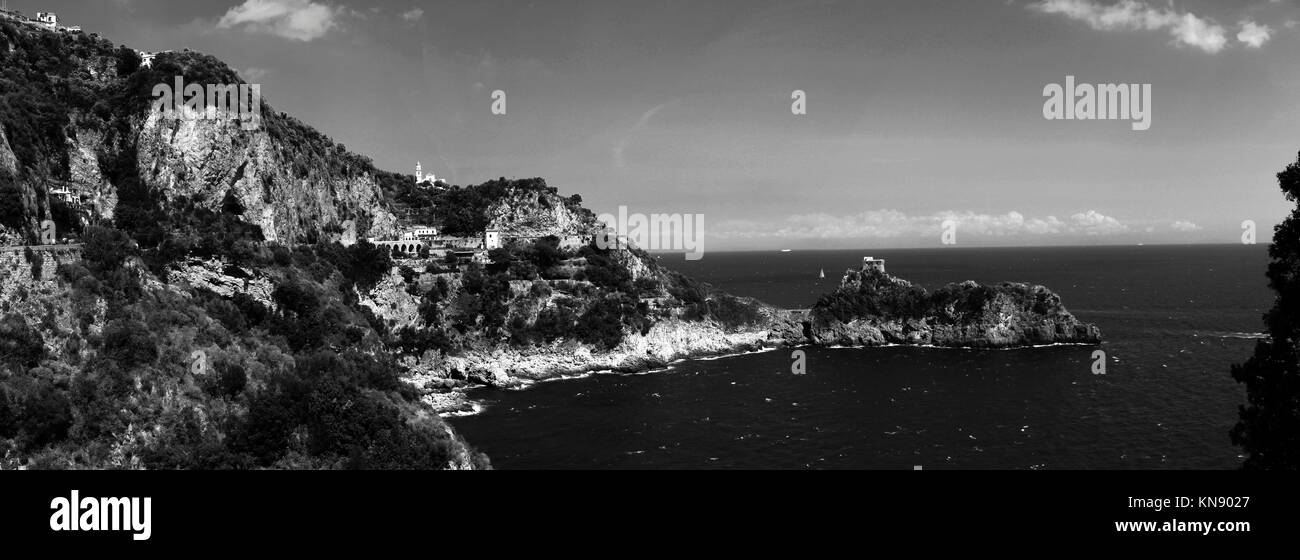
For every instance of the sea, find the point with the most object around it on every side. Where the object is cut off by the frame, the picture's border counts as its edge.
(1175, 319)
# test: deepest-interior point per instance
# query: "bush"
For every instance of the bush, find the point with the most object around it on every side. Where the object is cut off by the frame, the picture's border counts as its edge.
(12, 213)
(601, 325)
(232, 381)
(39, 414)
(129, 343)
(106, 249)
(733, 312)
(20, 345)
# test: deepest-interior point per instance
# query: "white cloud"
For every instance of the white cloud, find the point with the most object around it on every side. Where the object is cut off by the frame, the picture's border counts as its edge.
(1186, 28)
(1254, 35)
(414, 15)
(1095, 223)
(889, 224)
(300, 20)
(1185, 226)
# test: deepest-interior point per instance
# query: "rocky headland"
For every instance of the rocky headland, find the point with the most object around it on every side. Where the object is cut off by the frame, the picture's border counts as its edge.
(869, 309)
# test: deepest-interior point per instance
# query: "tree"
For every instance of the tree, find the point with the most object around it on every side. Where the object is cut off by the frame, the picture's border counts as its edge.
(11, 203)
(20, 345)
(231, 204)
(1269, 429)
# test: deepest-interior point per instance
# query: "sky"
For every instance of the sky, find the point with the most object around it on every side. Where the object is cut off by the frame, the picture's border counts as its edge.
(918, 112)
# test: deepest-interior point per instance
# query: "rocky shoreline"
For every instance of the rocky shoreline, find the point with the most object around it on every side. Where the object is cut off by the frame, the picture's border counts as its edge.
(446, 379)
(966, 315)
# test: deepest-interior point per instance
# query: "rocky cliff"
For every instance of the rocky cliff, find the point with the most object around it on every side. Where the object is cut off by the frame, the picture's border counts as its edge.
(538, 213)
(86, 122)
(291, 202)
(204, 320)
(873, 308)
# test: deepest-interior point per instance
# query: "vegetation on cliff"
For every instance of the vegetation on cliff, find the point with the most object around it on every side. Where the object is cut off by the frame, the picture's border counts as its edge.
(178, 378)
(872, 307)
(1269, 429)
(116, 365)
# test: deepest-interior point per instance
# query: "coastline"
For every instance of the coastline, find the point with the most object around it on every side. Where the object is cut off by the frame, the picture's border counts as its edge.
(448, 380)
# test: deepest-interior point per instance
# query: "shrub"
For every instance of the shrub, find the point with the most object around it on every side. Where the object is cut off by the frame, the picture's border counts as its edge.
(20, 345)
(129, 343)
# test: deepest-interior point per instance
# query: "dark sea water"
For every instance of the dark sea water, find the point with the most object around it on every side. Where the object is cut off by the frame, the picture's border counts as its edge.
(1174, 318)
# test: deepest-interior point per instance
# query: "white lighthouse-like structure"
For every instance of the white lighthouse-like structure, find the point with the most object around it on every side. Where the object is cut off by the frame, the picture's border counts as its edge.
(421, 178)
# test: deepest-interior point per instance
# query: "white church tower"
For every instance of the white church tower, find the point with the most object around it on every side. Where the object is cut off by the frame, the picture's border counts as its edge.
(421, 178)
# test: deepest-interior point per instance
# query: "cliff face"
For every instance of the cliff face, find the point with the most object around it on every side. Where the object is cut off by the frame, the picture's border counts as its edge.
(181, 337)
(873, 308)
(207, 158)
(533, 213)
(295, 183)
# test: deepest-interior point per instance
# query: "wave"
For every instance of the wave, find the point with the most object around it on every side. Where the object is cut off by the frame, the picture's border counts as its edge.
(1238, 335)
(961, 348)
(475, 408)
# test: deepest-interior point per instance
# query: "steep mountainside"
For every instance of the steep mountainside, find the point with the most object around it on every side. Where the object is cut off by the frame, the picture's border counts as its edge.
(199, 318)
(77, 114)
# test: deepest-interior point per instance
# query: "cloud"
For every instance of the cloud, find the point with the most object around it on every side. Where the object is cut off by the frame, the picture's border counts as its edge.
(1185, 226)
(892, 224)
(1095, 223)
(1185, 28)
(1254, 35)
(413, 15)
(299, 20)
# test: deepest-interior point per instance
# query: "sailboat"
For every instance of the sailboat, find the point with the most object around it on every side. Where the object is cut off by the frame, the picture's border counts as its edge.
(823, 274)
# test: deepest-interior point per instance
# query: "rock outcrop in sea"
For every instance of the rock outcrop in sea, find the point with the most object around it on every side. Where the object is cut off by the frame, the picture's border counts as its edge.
(874, 308)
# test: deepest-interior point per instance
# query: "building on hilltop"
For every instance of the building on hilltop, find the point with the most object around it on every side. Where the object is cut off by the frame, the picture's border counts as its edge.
(869, 263)
(48, 19)
(421, 178)
(427, 181)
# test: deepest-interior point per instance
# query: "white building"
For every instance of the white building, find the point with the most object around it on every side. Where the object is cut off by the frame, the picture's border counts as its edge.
(421, 178)
(492, 240)
(64, 193)
(869, 263)
(419, 232)
(48, 19)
